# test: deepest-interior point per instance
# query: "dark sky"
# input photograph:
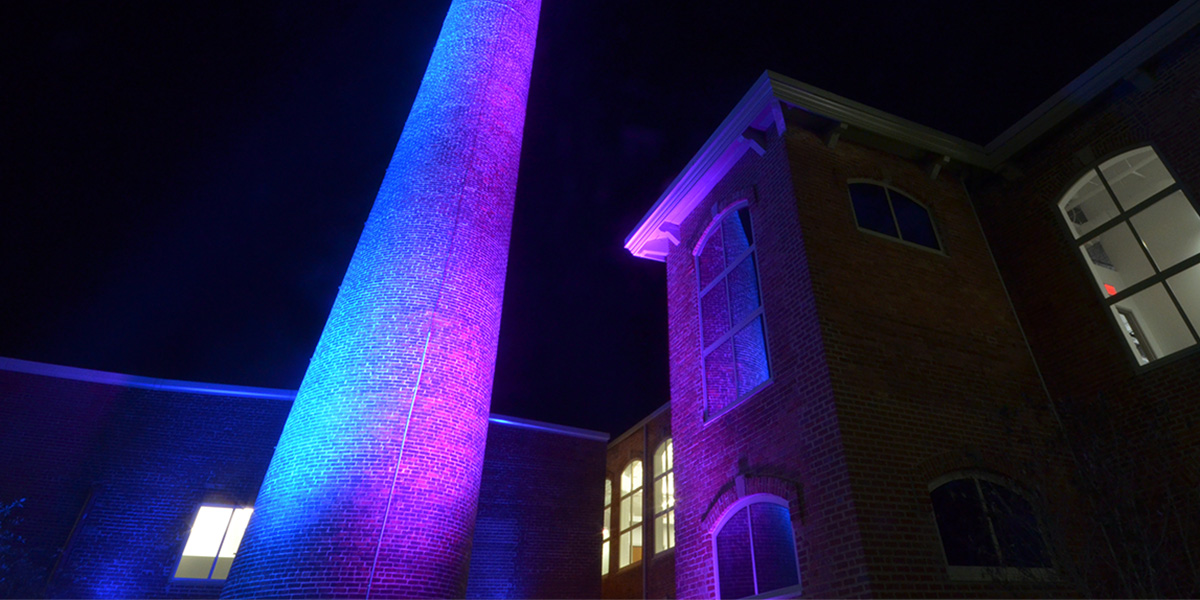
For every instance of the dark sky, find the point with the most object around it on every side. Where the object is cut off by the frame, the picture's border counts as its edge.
(182, 183)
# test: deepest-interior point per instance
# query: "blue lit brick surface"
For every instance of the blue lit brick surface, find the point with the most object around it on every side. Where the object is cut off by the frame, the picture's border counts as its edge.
(373, 488)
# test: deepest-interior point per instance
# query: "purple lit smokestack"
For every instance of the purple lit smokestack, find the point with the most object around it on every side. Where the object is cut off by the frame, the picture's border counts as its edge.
(373, 487)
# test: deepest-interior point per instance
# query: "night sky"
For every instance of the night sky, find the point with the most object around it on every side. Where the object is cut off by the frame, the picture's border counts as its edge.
(182, 183)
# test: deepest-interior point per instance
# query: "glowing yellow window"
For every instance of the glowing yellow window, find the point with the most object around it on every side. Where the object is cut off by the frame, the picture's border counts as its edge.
(213, 542)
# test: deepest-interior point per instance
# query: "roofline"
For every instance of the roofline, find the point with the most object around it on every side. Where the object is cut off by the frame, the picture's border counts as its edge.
(146, 383)
(658, 229)
(640, 424)
(30, 367)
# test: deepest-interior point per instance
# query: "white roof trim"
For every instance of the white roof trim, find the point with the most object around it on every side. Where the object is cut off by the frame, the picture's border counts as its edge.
(655, 233)
(30, 367)
(146, 383)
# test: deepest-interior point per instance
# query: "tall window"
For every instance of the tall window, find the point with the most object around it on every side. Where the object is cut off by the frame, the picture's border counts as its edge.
(604, 534)
(1139, 234)
(734, 347)
(888, 212)
(213, 542)
(664, 497)
(985, 523)
(631, 514)
(756, 549)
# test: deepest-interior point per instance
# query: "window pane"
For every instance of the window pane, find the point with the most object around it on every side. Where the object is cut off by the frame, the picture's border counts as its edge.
(1088, 205)
(915, 223)
(718, 377)
(233, 539)
(625, 514)
(774, 547)
(751, 349)
(626, 550)
(662, 458)
(734, 566)
(1186, 286)
(871, 210)
(635, 541)
(662, 532)
(711, 261)
(1016, 527)
(735, 228)
(1135, 176)
(204, 542)
(635, 510)
(604, 533)
(1170, 229)
(963, 526)
(1116, 259)
(607, 492)
(743, 289)
(714, 310)
(604, 558)
(1151, 325)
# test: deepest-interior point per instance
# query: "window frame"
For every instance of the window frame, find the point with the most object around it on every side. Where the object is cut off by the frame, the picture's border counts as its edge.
(668, 472)
(623, 531)
(889, 188)
(220, 546)
(744, 503)
(714, 226)
(606, 530)
(1001, 572)
(1159, 277)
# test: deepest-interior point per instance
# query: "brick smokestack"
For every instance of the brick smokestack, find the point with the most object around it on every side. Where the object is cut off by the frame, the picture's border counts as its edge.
(373, 487)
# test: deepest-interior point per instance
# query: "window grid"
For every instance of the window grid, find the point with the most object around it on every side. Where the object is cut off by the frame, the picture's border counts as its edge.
(664, 497)
(1127, 323)
(790, 580)
(630, 538)
(990, 514)
(604, 532)
(742, 324)
(895, 221)
(212, 542)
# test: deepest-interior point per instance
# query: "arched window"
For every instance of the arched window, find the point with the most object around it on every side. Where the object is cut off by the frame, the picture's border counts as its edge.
(733, 336)
(756, 549)
(604, 533)
(664, 497)
(887, 212)
(1139, 234)
(631, 514)
(984, 522)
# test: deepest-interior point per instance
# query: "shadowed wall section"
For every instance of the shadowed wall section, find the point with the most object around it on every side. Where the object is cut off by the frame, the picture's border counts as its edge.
(374, 485)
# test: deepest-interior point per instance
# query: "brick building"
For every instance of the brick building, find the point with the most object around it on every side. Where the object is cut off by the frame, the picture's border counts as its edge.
(902, 364)
(905, 364)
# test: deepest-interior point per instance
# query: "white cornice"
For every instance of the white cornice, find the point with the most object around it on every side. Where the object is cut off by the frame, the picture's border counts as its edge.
(658, 229)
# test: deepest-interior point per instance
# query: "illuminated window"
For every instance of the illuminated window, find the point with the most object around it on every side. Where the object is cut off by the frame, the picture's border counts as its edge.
(213, 542)
(604, 533)
(631, 514)
(1139, 234)
(733, 337)
(664, 497)
(888, 212)
(986, 527)
(756, 549)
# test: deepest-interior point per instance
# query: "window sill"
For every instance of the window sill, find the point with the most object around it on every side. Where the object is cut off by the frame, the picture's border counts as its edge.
(728, 409)
(1031, 574)
(787, 592)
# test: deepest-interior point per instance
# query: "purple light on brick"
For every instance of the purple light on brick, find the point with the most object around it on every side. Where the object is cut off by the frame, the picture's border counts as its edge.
(373, 487)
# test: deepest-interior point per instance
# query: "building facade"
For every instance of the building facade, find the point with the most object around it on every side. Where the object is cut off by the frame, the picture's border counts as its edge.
(898, 358)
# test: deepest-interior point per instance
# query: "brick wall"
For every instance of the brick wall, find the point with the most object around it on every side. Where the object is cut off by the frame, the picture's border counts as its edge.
(927, 362)
(654, 575)
(785, 439)
(536, 533)
(1081, 353)
(130, 466)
